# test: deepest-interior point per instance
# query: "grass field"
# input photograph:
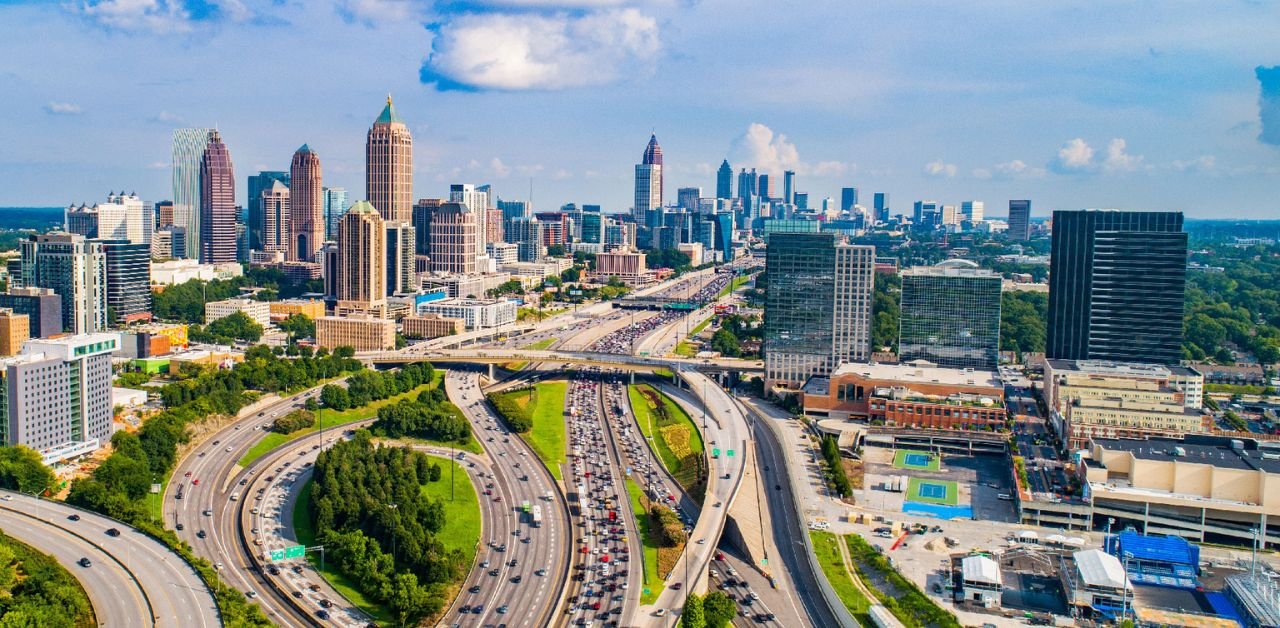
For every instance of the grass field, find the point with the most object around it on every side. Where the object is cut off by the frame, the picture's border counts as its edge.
(675, 437)
(462, 513)
(652, 581)
(337, 419)
(546, 438)
(305, 531)
(926, 492)
(907, 459)
(828, 555)
(685, 349)
(155, 501)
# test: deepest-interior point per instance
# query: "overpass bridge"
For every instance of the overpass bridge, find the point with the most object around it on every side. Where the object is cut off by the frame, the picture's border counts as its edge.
(586, 358)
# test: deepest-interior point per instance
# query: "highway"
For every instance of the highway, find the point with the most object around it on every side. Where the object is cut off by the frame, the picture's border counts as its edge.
(133, 579)
(533, 600)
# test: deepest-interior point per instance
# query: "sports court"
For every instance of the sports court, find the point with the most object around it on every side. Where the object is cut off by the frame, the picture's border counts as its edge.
(922, 460)
(945, 492)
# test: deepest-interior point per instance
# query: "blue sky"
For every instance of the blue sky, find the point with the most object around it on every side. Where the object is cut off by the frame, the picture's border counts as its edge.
(1142, 105)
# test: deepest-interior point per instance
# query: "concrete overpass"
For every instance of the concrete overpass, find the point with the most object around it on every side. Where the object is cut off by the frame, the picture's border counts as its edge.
(585, 358)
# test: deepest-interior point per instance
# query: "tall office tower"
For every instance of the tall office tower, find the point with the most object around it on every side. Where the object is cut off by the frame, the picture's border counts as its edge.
(724, 180)
(493, 227)
(1019, 220)
(273, 208)
(422, 212)
(617, 235)
(476, 203)
(57, 395)
(880, 201)
(362, 262)
(128, 272)
(188, 150)
(73, 267)
(592, 229)
(217, 232)
(818, 305)
(329, 263)
(335, 205)
(122, 217)
(762, 186)
(453, 239)
(949, 215)
(402, 274)
(1117, 283)
(257, 184)
(515, 209)
(848, 198)
(648, 197)
(950, 315)
(926, 215)
(388, 170)
(688, 198)
(972, 211)
(42, 306)
(748, 183)
(802, 200)
(526, 234)
(306, 206)
(164, 214)
(789, 187)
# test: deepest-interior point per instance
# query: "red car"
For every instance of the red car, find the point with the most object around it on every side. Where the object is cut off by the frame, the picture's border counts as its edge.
(604, 558)
(195, 482)
(497, 498)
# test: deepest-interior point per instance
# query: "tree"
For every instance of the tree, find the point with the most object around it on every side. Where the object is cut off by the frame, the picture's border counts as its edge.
(726, 343)
(21, 470)
(298, 326)
(693, 615)
(335, 397)
(719, 609)
(570, 275)
(556, 250)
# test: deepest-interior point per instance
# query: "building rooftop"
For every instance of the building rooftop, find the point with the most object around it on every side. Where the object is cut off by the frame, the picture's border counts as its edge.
(1198, 449)
(922, 372)
(951, 268)
(1119, 369)
(1100, 569)
(980, 569)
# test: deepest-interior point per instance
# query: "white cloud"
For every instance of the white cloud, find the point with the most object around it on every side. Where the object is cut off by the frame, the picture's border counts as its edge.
(1203, 163)
(1118, 160)
(1018, 169)
(562, 174)
(158, 16)
(377, 11)
(63, 108)
(939, 168)
(158, 165)
(981, 173)
(772, 153)
(1074, 156)
(529, 51)
(499, 169)
(168, 117)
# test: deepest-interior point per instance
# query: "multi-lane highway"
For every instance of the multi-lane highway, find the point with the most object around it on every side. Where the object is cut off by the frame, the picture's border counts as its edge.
(132, 579)
(529, 591)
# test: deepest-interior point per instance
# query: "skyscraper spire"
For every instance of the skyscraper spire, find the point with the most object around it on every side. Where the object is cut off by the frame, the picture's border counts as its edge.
(389, 166)
(652, 152)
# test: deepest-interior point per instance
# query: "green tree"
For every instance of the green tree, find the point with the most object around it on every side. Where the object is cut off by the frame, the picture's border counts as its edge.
(693, 615)
(884, 311)
(298, 326)
(21, 470)
(719, 609)
(726, 343)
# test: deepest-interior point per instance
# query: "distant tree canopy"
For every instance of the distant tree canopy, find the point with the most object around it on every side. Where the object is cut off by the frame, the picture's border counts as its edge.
(1023, 317)
(298, 326)
(884, 311)
(668, 258)
(1239, 306)
(21, 470)
(36, 591)
(225, 330)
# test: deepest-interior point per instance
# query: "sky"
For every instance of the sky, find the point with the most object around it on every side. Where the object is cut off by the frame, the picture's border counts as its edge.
(1137, 105)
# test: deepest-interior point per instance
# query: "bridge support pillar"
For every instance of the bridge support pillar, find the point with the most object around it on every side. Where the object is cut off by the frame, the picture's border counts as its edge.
(490, 372)
(675, 379)
(633, 378)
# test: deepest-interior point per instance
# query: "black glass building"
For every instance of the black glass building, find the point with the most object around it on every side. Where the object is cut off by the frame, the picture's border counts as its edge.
(1117, 282)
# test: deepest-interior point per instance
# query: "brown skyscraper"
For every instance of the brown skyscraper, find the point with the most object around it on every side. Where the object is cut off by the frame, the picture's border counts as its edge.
(362, 262)
(306, 206)
(388, 170)
(217, 203)
(453, 239)
(275, 218)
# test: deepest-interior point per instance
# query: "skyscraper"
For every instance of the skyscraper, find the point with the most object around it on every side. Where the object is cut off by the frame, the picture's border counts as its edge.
(422, 212)
(818, 305)
(762, 186)
(58, 397)
(257, 183)
(926, 215)
(362, 262)
(789, 187)
(881, 203)
(688, 198)
(453, 239)
(476, 202)
(335, 205)
(388, 175)
(972, 211)
(274, 210)
(122, 217)
(648, 197)
(75, 269)
(724, 180)
(747, 185)
(188, 150)
(402, 275)
(306, 206)
(217, 231)
(950, 315)
(1117, 283)
(848, 198)
(1019, 220)
(128, 280)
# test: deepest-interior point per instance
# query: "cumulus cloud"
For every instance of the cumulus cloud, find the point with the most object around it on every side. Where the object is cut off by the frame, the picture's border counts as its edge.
(1074, 156)
(1118, 160)
(160, 16)
(63, 108)
(373, 12)
(518, 51)
(498, 168)
(939, 168)
(772, 153)
(1269, 104)
(167, 117)
(1203, 163)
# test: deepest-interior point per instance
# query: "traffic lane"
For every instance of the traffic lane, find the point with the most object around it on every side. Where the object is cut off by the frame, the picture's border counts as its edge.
(630, 524)
(116, 598)
(738, 579)
(175, 589)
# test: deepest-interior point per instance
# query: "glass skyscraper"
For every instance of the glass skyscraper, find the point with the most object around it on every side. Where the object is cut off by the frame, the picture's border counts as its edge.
(1019, 220)
(188, 148)
(950, 315)
(257, 184)
(1117, 284)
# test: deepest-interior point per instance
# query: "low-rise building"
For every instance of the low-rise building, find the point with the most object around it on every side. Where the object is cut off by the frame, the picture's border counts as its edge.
(1241, 375)
(1095, 398)
(916, 394)
(478, 314)
(174, 272)
(465, 286)
(310, 308)
(56, 396)
(431, 326)
(626, 265)
(980, 581)
(1099, 585)
(258, 311)
(362, 333)
(14, 330)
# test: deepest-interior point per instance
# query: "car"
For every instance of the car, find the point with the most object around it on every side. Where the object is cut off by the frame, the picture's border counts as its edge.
(251, 594)
(677, 586)
(297, 594)
(322, 614)
(326, 603)
(195, 482)
(516, 579)
(73, 517)
(228, 449)
(85, 562)
(502, 610)
(662, 612)
(477, 609)
(314, 587)
(113, 532)
(179, 527)
(474, 589)
(493, 572)
(217, 566)
(201, 534)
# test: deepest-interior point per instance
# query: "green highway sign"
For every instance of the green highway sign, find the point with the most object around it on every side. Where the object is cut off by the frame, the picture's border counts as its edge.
(715, 452)
(296, 551)
(730, 453)
(764, 561)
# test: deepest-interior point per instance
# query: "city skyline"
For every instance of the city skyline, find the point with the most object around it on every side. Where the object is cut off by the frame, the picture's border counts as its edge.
(1142, 118)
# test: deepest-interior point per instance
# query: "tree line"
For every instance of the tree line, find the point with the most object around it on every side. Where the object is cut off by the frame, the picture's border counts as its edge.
(714, 610)
(364, 387)
(379, 528)
(429, 416)
(835, 466)
(36, 591)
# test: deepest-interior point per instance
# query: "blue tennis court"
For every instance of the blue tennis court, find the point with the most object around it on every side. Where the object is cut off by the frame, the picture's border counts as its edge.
(933, 491)
(916, 460)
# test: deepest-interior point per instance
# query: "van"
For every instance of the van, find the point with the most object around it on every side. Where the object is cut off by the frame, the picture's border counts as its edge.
(1005, 496)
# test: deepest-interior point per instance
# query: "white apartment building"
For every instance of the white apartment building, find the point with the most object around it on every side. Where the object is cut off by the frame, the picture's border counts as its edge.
(259, 311)
(478, 314)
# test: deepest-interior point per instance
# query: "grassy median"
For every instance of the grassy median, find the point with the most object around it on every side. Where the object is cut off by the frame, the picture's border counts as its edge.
(652, 581)
(541, 407)
(461, 529)
(674, 436)
(304, 530)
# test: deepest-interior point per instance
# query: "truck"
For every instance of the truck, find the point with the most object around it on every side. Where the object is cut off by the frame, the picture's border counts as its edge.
(537, 517)
(524, 507)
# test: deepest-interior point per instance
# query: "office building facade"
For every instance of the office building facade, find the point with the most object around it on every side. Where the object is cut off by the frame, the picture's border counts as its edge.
(648, 184)
(256, 185)
(306, 206)
(388, 175)
(74, 268)
(121, 217)
(848, 199)
(1117, 284)
(42, 306)
(217, 233)
(335, 205)
(950, 316)
(972, 211)
(15, 328)
(880, 205)
(273, 210)
(1019, 220)
(128, 272)
(362, 258)
(453, 239)
(188, 151)
(724, 180)
(402, 273)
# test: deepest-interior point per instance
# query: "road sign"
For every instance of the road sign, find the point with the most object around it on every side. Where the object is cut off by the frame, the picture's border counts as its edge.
(764, 561)
(276, 555)
(715, 452)
(730, 453)
(296, 551)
